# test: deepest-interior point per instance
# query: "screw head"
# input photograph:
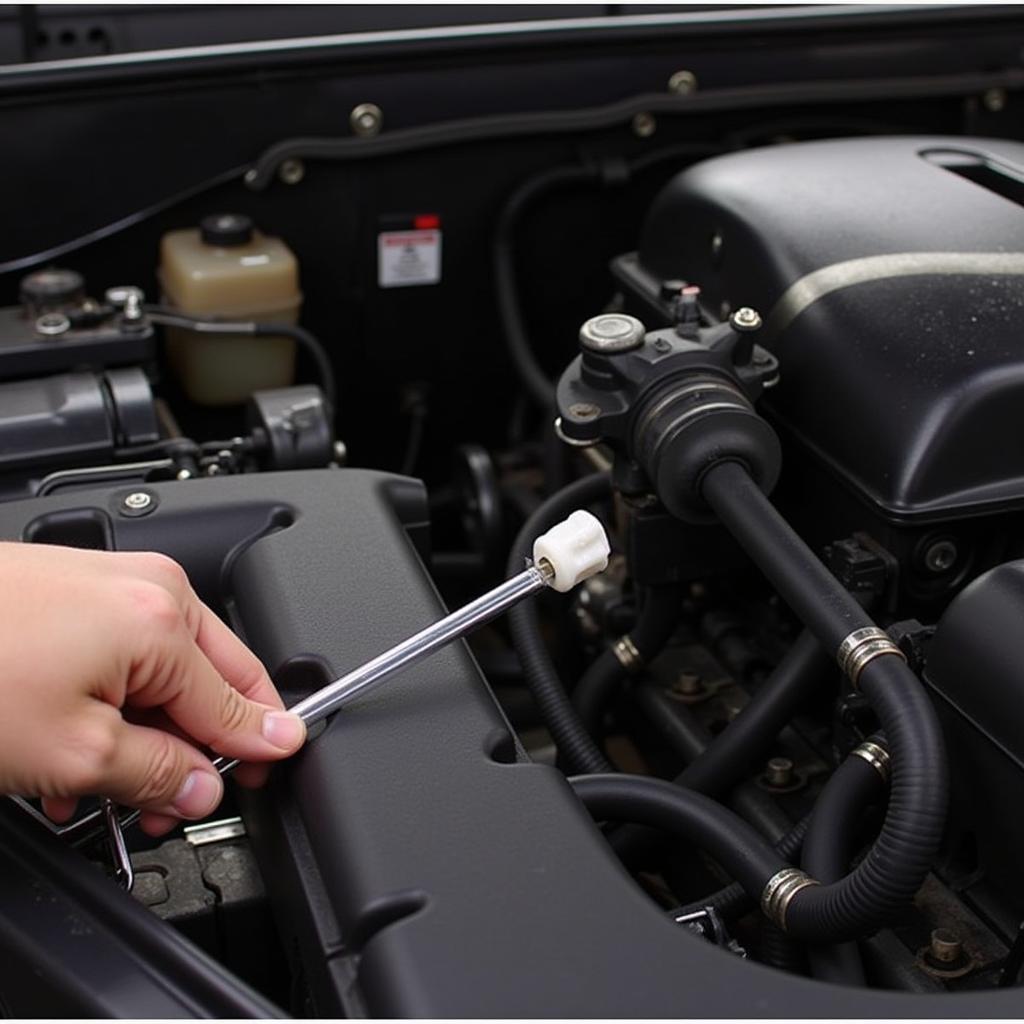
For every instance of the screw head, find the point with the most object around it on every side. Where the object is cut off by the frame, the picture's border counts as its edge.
(994, 100)
(366, 120)
(610, 333)
(137, 503)
(940, 556)
(138, 500)
(52, 324)
(644, 125)
(291, 171)
(945, 946)
(689, 684)
(683, 82)
(584, 410)
(745, 319)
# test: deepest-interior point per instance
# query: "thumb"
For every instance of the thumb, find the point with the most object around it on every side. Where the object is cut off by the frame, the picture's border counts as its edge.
(155, 771)
(203, 704)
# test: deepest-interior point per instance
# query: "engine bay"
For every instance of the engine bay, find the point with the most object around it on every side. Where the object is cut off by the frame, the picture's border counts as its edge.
(767, 762)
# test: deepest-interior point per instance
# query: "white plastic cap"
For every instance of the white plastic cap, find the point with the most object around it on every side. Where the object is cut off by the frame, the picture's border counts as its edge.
(576, 549)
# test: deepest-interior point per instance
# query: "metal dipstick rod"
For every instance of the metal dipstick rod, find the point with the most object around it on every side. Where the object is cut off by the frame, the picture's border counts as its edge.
(567, 554)
(324, 702)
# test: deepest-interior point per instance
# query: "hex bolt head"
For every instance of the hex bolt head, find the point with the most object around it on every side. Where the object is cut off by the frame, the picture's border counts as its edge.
(611, 333)
(689, 684)
(940, 556)
(291, 171)
(745, 319)
(584, 410)
(644, 125)
(683, 82)
(944, 946)
(779, 772)
(366, 120)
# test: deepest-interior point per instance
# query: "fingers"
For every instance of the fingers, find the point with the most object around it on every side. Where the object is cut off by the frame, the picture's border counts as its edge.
(147, 768)
(171, 672)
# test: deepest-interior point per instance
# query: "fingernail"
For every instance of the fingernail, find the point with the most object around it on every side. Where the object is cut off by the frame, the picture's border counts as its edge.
(199, 795)
(283, 730)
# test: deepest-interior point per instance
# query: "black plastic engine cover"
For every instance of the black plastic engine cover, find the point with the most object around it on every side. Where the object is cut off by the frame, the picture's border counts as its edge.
(889, 271)
(418, 865)
(974, 666)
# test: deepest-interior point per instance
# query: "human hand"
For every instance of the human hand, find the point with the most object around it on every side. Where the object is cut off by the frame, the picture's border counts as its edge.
(109, 666)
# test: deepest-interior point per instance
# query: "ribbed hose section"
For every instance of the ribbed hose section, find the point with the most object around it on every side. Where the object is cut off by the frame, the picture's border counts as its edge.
(899, 860)
(575, 746)
(732, 901)
(896, 865)
(654, 628)
(828, 849)
(647, 801)
(726, 761)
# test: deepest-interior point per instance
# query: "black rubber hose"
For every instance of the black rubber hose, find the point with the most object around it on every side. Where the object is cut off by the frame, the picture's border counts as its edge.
(734, 844)
(306, 341)
(898, 861)
(732, 901)
(574, 744)
(312, 347)
(654, 627)
(536, 381)
(828, 849)
(748, 736)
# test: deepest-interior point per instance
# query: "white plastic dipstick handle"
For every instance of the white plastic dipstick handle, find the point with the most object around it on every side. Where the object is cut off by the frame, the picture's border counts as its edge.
(575, 549)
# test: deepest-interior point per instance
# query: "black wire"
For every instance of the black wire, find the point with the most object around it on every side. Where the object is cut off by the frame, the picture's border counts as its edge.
(117, 226)
(325, 371)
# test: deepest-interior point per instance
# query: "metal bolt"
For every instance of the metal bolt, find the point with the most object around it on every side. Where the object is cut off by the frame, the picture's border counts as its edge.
(779, 772)
(120, 295)
(994, 100)
(689, 684)
(662, 345)
(52, 324)
(366, 120)
(612, 332)
(340, 453)
(940, 556)
(745, 319)
(944, 946)
(137, 501)
(292, 171)
(133, 304)
(250, 176)
(683, 82)
(644, 125)
(183, 474)
(584, 410)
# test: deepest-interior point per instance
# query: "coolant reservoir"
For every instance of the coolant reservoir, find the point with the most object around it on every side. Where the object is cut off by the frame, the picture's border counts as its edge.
(226, 269)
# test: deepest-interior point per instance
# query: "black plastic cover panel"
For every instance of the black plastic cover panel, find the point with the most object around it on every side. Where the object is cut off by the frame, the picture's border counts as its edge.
(890, 272)
(417, 864)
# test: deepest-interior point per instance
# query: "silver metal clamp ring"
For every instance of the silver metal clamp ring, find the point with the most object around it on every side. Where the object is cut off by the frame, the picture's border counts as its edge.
(629, 657)
(875, 755)
(861, 647)
(779, 891)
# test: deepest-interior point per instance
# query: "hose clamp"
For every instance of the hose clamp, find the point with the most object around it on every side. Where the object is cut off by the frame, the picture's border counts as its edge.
(629, 657)
(778, 893)
(861, 647)
(875, 755)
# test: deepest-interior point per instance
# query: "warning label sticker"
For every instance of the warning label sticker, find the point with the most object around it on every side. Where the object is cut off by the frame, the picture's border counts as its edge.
(408, 258)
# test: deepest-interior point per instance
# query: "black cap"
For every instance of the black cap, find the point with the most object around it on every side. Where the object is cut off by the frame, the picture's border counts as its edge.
(226, 229)
(52, 288)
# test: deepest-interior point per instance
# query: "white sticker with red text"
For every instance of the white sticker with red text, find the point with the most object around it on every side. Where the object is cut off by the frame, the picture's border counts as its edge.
(407, 258)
